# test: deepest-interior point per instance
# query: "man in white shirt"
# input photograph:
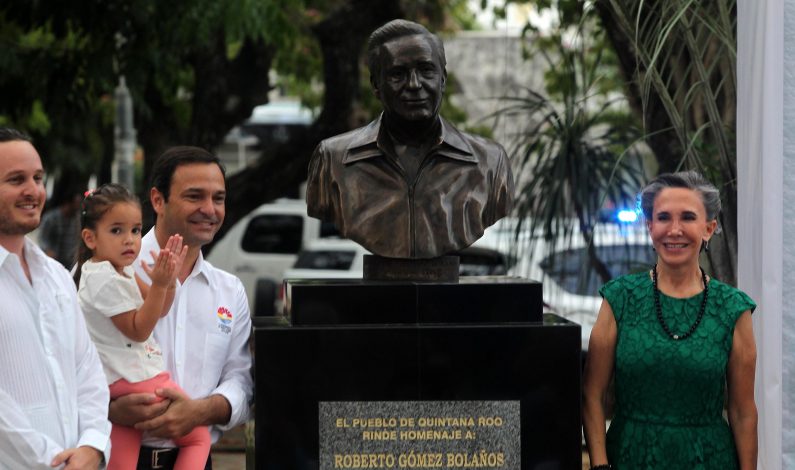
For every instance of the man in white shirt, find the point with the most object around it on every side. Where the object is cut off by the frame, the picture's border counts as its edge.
(53, 394)
(204, 336)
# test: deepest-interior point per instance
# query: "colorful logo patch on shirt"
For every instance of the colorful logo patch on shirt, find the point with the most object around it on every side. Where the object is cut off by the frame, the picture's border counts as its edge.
(224, 319)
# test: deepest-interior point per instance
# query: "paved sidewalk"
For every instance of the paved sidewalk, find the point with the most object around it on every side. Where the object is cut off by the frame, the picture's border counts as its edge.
(229, 453)
(229, 460)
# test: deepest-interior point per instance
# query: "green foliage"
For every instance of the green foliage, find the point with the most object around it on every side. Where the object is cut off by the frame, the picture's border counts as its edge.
(194, 67)
(687, 59)
(685, 53)
(580, 147)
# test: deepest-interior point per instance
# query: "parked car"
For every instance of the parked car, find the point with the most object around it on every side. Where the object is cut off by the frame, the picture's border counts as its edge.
(570, 282)
(264, 243)
(329, 258)
(344, 259)
(261, 246)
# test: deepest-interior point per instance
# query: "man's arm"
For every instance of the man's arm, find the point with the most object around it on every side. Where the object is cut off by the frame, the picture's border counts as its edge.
(236, 384)
(228, 404)
(184, 414)
(502, 192)
(318, 182)
(92, 390)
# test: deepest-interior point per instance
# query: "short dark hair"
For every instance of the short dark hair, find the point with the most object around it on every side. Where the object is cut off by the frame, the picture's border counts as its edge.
(692, 180)
(165, 166)
(9, 134)
(393, 30)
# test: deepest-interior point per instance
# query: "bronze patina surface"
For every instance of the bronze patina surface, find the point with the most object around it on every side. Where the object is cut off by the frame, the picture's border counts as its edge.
(409, 184)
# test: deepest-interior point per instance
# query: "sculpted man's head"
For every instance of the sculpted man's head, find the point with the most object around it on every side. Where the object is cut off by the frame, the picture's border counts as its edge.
(188, 194)
(409, 185)
(407, 70)
(22, 192)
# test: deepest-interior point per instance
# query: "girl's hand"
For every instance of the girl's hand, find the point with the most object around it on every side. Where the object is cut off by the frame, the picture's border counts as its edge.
(179, 251)
(163, 272)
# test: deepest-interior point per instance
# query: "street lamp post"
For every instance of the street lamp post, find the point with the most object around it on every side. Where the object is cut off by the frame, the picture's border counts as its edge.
(124, 137)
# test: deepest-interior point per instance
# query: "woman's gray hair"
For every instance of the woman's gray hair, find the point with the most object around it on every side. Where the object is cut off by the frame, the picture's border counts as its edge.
(710, 195)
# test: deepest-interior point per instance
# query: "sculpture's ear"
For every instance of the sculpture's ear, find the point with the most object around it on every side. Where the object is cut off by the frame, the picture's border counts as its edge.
(376, 89)
(444, 78)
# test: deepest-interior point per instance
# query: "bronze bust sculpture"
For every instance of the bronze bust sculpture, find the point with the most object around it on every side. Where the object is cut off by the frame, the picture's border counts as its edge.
(409, 184)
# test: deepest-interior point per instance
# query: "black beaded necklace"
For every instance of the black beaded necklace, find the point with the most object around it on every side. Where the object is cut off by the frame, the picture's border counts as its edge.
(659, 309)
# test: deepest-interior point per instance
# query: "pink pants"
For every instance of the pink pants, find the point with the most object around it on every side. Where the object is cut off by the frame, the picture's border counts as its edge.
(126, 441)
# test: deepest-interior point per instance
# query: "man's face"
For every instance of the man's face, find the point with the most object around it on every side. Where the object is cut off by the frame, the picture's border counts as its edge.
(195, 207)
(22, 191)
(411, 81)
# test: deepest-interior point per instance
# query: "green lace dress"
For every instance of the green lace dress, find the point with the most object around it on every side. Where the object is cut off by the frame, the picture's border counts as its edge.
(670, 394)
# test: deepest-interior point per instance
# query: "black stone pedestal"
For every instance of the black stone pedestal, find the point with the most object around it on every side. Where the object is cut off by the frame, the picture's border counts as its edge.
(345, 341)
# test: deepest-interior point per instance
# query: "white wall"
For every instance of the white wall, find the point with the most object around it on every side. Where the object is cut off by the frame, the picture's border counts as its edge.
(766, 228)
(788, 297)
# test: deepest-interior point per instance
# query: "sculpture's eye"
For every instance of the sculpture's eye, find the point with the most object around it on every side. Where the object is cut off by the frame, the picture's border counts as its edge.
(397, 74)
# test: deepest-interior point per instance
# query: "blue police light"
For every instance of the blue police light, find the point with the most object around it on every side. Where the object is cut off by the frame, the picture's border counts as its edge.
(627, 216)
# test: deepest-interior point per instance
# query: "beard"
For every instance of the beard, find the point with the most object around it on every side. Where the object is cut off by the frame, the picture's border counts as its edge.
(10, 226)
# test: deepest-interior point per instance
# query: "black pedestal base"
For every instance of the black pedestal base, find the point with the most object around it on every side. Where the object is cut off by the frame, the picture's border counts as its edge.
(362, 343)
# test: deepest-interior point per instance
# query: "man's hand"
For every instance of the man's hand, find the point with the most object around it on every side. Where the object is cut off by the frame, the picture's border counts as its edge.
(182, 415)
(80, 458)
(128, 410)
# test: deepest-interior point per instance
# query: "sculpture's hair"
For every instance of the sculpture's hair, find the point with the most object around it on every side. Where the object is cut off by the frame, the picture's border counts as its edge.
(95, 205)
(9, 134)
(398, 29)
(683, 179)
(165, 166)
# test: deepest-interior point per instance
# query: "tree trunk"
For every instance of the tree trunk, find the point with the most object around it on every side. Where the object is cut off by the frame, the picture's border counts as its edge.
(696, 130)
(342, 36)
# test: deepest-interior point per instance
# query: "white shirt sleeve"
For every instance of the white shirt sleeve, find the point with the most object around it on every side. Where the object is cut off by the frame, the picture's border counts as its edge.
(93, 396)
(107, 291)
(236, 384)
(21, 446)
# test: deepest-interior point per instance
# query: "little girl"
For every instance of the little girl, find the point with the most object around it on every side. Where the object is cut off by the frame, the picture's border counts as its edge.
(121, 313)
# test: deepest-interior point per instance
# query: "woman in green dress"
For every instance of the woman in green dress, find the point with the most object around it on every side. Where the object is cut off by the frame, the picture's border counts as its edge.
(675, 342)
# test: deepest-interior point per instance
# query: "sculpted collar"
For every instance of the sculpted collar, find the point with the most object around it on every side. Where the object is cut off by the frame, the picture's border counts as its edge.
(367, 143)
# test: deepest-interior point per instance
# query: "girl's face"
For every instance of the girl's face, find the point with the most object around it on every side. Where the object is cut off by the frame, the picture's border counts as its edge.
(679, 224)
(117, 237)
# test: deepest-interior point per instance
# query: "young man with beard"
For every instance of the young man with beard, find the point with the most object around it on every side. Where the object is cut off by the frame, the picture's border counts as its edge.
(53, 394)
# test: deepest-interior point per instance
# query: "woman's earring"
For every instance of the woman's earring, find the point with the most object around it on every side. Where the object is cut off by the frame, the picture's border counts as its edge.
(705, 245)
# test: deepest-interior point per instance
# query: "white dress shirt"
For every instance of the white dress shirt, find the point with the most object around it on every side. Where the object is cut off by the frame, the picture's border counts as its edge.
(53, 393)
(204, 337)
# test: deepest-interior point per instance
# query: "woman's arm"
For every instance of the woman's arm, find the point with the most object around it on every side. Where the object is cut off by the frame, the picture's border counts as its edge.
(740, 379)
(598, 371)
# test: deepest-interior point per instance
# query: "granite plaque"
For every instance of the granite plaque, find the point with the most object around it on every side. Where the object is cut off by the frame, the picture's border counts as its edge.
(420, 434)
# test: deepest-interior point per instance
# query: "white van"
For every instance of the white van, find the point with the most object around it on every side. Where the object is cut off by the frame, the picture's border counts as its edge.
(570, 284)
(263, 244)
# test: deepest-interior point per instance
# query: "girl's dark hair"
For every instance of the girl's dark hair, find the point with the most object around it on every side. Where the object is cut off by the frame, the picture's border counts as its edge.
(94, 206)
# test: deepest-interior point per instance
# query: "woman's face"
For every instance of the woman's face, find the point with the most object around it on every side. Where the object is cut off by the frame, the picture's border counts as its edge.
(679, 225)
